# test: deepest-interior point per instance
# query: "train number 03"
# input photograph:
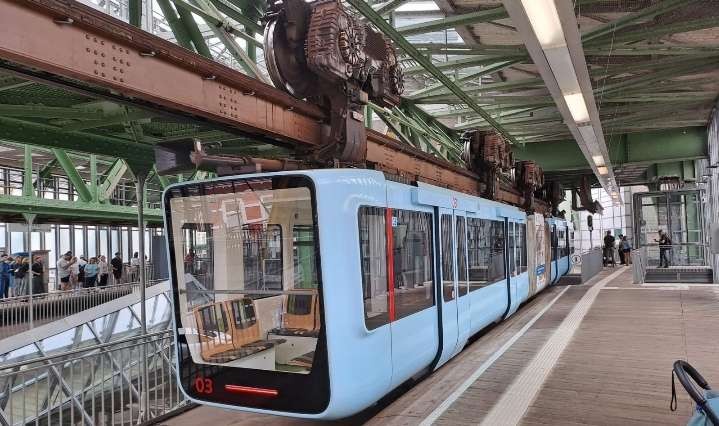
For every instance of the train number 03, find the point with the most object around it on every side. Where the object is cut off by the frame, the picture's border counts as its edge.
(203, 385)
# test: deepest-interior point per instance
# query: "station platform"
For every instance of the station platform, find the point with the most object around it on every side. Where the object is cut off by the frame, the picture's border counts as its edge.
(599, 353)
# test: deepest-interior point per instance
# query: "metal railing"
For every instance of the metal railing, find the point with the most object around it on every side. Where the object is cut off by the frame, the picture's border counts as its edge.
(97, 385)
(639, 265)
(21, 313)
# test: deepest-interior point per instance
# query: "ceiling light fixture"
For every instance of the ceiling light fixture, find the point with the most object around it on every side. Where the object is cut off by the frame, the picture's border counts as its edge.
(550, 32)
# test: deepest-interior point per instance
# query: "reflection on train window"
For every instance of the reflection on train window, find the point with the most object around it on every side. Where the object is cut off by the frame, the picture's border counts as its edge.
(447, 259)
(373, 257)
(412, 254)
(571, 242)
(522, 247)
(248, 283)
(485, 242)
(461, 256)
(562, 242)
(553, 239)
(262, 256)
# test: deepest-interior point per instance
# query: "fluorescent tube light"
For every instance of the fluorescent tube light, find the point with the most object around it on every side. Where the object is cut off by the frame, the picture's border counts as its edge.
(544, 19)
(577, 107)
(598, 160)
(562, 67)
(602, 170)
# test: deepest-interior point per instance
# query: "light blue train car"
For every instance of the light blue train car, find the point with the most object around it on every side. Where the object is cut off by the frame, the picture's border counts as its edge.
(315, 293)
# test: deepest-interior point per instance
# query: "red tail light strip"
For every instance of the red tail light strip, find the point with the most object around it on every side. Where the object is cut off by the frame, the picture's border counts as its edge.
(247, 390)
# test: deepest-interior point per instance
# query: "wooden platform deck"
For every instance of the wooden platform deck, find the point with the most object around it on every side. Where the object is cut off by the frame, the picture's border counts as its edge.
(594, 354)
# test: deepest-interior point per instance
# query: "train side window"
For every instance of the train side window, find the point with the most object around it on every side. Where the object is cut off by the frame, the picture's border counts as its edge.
(478, 252)
(497, 268)
(447, 259)
(512, 248)
(571, 242)
(522, 246)
(303, 256)
(413, 262)
(373, 258)
(461, 255)
(485, 241)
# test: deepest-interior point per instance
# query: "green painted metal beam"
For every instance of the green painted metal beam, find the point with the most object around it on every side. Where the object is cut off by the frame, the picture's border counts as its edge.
(240, 15)
(632, 18)
(390, 32)
(654, 34)
(73, 175)
(217, 21)
(456, 64)
(478, 74)
(164, 181)
(25, 132)
(112, 177)
(41, 111)
(193, 31)
(93, 178)
(62, 210)
(453, 21)
(104, 120)
(46, 170)
(27, 187)
(178, 29)
(390, 6)
(135, 12)
(652, 147)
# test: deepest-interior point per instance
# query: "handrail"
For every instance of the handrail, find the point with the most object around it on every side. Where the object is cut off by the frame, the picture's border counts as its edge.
(141, 339)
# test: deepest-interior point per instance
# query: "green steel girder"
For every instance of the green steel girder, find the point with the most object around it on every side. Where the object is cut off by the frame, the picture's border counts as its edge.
(685, 68)
(464, 49)
(40, 111)
(369, 13)
(653, 34)
(650, 50)
(103, 120)
(459, 63)
(80, 186)
(27, 187)
(453, 21)
(44, 135)
(239, 15)
(390, 6)
(14, 86)
(633, 148)
(135, 12)
(188, 21)
(214, 20)
(46, 170)
(632, 18)
(177, 27)
(112, 177)
(478, 74)
(55, 210)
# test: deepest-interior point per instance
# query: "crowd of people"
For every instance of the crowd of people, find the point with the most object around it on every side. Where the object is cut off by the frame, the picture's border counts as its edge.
(74, 272)
(624, 248)
(18, 277)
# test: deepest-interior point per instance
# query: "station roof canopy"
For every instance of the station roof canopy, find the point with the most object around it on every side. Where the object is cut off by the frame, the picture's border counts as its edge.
(653, 64)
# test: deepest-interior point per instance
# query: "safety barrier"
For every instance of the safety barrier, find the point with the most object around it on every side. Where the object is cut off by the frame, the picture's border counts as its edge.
(99, 384)
(639, 265)
(21, 313)
(592, 263)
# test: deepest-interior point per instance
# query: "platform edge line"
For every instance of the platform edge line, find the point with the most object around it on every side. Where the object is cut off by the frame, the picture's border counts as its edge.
(437, 412)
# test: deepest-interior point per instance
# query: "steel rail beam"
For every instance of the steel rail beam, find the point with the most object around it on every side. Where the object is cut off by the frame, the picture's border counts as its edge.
(161, 76)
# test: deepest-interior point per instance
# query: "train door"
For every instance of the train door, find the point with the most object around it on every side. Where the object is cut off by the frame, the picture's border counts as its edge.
(463, 304)
(448, 274)
(554, 273)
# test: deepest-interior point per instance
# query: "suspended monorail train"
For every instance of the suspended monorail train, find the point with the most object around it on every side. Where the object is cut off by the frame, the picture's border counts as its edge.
(315, 293)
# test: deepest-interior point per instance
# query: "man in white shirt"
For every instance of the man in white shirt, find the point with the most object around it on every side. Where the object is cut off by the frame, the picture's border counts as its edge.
(64, 270)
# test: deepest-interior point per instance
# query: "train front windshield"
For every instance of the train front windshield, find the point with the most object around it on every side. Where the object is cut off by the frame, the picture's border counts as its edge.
(245, 260)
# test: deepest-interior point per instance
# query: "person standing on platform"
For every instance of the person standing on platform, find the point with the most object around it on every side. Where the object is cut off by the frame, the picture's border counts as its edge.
(116, 264)
(620, 237)
(4, 276)
(609, 249)
(626, 249)
(64, 270)
(38, 274)
(135, 267)
(91, 271)
(21, 274)
(665, 247)
(102, 270)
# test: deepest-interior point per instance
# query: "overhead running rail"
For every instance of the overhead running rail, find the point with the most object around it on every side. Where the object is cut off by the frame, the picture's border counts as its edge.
(94, 53)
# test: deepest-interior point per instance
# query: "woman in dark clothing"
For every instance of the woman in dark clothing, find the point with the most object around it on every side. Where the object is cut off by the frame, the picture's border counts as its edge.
(20, 276)
(38, 270)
